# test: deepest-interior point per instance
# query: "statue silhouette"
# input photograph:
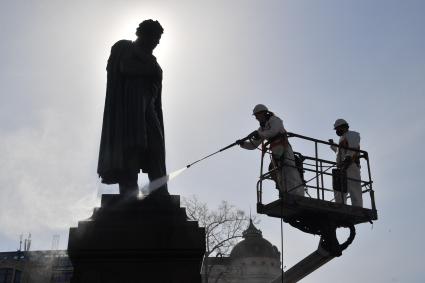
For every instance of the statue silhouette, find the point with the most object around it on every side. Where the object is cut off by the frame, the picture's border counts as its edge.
(133, 130)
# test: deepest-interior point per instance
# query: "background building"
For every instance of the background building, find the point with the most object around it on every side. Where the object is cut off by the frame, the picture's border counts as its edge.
(252, 260)
(35, 267)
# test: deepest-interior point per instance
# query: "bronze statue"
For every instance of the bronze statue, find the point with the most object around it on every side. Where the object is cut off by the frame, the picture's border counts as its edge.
(133, 129)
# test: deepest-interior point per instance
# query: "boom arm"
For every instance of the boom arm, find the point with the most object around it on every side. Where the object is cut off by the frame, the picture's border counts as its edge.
(306, 266)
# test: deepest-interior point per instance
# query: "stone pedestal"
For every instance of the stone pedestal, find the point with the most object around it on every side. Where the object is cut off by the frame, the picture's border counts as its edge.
(131, 240)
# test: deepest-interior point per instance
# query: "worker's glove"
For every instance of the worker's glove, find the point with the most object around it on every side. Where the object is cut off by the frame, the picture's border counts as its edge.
(239, 142)
(347, 162)
(254, 135)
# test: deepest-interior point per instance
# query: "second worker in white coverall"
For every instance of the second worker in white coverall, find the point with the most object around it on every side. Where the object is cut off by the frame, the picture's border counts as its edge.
(348, 160)
(288, 178)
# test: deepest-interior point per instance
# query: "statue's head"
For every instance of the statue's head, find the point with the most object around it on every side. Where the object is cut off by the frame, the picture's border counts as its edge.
(149, 33)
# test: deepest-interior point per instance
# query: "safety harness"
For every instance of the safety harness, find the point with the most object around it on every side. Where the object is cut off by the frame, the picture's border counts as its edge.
(279, 139)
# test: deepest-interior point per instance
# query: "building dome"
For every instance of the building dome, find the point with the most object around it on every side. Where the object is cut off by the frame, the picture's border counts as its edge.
(254, 245)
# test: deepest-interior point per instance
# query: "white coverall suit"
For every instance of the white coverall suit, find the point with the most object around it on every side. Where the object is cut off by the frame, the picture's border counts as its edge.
(288, 177)
(349, 139)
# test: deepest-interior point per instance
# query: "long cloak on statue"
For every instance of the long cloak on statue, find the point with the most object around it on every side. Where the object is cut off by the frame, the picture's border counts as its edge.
(133, 111)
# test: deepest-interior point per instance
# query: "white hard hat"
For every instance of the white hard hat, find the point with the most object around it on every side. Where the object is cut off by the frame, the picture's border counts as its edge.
(340, 122)
(259, 108)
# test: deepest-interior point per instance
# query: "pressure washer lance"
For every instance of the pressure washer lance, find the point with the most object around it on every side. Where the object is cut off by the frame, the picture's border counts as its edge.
(251, 135)
(157, 183)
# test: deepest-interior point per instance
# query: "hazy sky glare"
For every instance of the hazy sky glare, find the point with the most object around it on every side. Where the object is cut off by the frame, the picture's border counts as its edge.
(309, 61)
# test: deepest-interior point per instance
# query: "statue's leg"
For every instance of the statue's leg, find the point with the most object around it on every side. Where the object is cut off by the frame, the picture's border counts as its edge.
(157, 167)
(156, 150)
(156, 157)
(128, 184)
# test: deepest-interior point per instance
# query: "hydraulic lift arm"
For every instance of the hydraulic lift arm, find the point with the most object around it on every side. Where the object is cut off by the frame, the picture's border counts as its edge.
(306, 266)
(316, 259)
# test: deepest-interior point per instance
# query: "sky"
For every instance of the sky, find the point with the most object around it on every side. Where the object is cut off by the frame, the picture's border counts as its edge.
(310, 62)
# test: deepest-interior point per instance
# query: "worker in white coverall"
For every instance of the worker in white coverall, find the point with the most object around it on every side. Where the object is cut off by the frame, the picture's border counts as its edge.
(288, 178)
(348, 160)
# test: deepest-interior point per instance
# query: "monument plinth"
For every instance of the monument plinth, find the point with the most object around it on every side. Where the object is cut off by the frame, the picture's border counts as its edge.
(132, 240)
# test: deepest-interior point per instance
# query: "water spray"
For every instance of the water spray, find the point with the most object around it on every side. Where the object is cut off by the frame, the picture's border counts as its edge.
(157, 183)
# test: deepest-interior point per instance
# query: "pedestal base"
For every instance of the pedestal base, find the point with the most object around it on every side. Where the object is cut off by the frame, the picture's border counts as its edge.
(131, 240)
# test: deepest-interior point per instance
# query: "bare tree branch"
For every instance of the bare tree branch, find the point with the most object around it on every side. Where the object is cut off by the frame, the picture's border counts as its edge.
(223, 226)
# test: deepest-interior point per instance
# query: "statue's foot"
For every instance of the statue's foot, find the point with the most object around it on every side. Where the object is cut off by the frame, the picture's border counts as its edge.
(129, 196)
(160, 195)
